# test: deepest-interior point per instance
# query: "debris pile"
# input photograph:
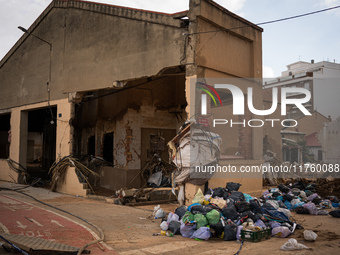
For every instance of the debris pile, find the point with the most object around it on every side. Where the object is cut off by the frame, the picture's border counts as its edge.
(229, 214)
(157, 172)
(59, 168)
(232, 215)
(194, 145)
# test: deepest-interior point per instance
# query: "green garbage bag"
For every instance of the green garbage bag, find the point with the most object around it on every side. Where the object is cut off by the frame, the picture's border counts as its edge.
(188, 216)
(201, 220)
(213, 217)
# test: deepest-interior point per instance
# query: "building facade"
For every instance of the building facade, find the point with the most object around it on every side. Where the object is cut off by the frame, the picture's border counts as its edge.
(95, 79)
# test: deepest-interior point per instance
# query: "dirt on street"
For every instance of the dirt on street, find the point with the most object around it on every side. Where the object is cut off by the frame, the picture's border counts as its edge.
(129, 230)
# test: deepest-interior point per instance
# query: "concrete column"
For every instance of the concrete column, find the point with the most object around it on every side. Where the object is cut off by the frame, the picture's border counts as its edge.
(63, 139)
(19, 126)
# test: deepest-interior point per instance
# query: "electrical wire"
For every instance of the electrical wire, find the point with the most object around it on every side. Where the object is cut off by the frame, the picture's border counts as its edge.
(270, 22)
(101, 233)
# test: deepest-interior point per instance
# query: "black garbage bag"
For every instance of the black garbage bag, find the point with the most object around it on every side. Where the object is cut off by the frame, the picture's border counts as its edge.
(250, 215)
(230, 211)
(175, 227)
(255, 206)
(311, 187)
(213, 206)
(219, 192)
(299, 185)
(242, 206)
(276, 194)
(333, 199)
(283, 188)
(165, 182)
(335, 213)
(317, 200)
(267, 206)
(230, 232)
(233, 186)
(287, 197)
(296, 192)
(180, 211)
(218, 228)
(301, 210)
(201, 209)
(236, 196)
(281, 204)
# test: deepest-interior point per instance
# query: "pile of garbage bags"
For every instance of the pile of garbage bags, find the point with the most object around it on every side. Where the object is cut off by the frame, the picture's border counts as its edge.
(301, 198)
(226, 212)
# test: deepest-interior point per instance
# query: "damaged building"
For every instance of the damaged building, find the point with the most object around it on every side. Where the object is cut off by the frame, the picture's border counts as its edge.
(95, 80)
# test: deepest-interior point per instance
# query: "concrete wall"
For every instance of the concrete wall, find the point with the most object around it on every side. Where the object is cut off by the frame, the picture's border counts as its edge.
(312, 123)
(226, 54)
(329, 138)
(71, 185)
(93, 46)
(116, 178)
(6, 173)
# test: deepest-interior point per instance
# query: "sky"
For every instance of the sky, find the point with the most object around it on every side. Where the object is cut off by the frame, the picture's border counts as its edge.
(303, 39)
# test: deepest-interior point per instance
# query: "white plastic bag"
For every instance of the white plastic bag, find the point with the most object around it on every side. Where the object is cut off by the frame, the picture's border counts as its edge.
(180, 196)
(160, 213)
(172, 217)
(281, 232)
(156, 178)
(155, 209)
(164, 225)
(309, 235)
(293, 245)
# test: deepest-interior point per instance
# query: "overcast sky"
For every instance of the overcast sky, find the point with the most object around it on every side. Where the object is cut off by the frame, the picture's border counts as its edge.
(313, 37)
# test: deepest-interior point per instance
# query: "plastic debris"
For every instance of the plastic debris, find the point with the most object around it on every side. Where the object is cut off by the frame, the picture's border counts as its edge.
(293, 245)
(309, 235)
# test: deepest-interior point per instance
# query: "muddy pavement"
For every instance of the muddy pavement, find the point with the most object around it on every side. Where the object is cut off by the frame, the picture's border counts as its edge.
(129, 230)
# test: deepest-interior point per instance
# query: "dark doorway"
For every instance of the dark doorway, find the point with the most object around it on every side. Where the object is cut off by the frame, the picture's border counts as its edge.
(41, 141)
(5, 127)
(108, 147)
(91, 146)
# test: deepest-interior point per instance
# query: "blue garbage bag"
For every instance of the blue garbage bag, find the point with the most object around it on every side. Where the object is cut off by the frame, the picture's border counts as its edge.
(202, 233)
(187, 230)
(275, 214)
(288, 204)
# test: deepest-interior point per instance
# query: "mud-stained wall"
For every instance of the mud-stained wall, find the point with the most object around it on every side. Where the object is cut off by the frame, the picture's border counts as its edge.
(158, 104)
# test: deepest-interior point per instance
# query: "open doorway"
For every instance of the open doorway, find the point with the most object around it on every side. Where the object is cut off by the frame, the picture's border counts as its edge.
(5, 127)
(108, 147)
(41, 141)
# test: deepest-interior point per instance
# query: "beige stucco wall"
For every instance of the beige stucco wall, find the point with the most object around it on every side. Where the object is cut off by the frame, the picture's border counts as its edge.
(235, 53)
(312, 123)
(6, 173)
(18, 147)
(71, 185)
